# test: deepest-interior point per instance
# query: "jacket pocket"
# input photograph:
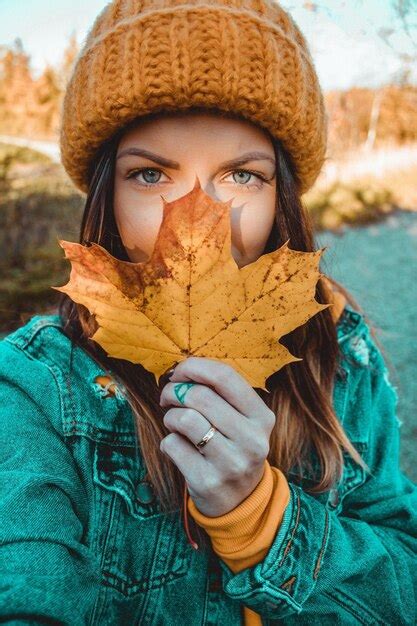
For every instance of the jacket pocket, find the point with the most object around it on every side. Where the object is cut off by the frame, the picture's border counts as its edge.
(353, 477)
(141, 546)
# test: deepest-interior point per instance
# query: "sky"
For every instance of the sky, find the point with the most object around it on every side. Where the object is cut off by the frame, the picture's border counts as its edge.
(342, 35)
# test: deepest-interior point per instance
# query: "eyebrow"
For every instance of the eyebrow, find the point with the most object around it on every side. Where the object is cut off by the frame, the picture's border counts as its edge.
(244, 158)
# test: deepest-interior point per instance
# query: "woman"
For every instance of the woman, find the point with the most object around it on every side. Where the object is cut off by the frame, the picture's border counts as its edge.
(296, 496)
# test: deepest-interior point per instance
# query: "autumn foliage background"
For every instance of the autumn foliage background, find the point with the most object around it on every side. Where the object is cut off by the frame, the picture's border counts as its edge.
(30, 106)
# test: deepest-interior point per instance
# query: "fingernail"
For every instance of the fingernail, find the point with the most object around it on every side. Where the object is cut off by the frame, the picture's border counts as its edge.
(163, 379)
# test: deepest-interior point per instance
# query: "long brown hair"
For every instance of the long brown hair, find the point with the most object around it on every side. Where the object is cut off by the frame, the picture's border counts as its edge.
(300, 394)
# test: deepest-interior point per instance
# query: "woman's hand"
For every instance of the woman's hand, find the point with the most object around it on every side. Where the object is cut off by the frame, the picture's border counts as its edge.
(231, 464)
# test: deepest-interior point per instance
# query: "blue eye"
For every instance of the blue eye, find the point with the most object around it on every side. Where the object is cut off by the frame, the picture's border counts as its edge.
(244, 172)
(260, 180)
(154, 183)
(150, 183)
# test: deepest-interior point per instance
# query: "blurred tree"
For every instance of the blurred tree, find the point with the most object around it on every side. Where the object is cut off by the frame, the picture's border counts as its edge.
(374, 119)
(16, 84)
(68, 60)
(31, 107)
(405, 12)
(392, 113)
(47, 100)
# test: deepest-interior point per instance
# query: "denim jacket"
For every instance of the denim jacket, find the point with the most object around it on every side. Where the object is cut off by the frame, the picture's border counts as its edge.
(83, 540)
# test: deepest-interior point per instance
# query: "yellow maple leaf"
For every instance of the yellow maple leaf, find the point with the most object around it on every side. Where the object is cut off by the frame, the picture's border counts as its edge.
(191, 299)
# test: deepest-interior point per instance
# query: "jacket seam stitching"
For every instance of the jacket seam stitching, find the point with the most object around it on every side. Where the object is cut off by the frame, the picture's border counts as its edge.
(289, 543)
(356, 611)
(323, 546)
(22, 338)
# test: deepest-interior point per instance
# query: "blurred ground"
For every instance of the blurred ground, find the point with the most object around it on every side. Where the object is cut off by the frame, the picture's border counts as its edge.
(378, 265)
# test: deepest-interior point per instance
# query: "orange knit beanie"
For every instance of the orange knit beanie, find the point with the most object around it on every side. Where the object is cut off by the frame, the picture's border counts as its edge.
(243, 56)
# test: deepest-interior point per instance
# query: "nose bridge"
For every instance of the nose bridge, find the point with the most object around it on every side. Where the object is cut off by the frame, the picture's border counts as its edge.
(207, 185)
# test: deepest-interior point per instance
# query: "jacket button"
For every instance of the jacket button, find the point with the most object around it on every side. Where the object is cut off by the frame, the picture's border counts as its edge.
(334, 497)
(341, 373)
(145, 492)
(360, 350)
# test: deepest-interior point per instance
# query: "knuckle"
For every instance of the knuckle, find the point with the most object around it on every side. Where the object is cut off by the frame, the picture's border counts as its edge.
(261, 452)
(222, 373)
(167, 419)
(192, 364)
(204, 395)
(270, 419)
(170, 441)
(185, 418)
(226, 374)
(238, 467)
(259, 449)
(212, 484)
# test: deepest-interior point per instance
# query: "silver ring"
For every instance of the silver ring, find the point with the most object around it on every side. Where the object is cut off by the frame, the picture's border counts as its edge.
(209, 434)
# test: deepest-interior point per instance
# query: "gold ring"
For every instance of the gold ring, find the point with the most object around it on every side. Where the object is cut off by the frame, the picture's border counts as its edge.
(209, 434)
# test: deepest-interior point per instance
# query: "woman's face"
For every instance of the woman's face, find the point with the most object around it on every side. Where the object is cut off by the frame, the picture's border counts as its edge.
(181, 147)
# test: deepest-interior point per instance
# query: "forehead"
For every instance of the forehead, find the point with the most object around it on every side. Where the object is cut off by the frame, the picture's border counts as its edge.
(191, 124)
